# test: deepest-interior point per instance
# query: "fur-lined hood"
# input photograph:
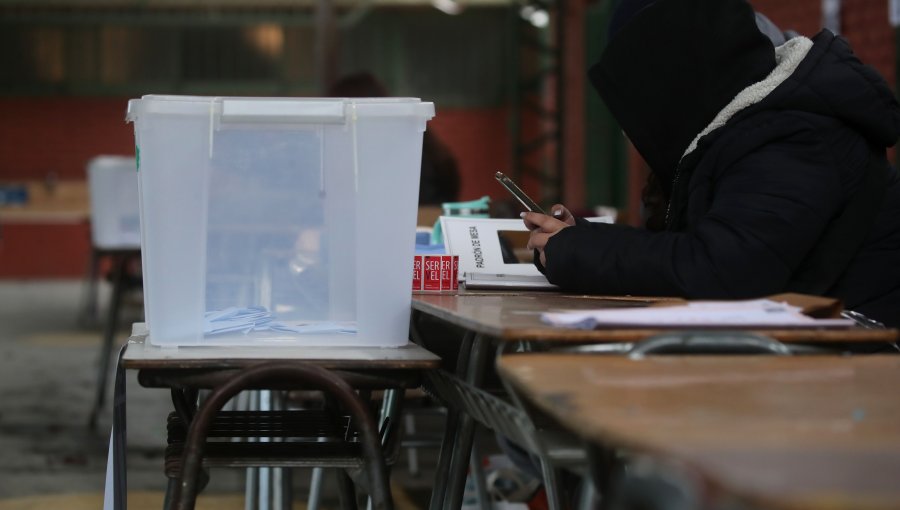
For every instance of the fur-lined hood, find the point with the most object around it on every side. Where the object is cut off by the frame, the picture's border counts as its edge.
(820, 76)
(788, 56)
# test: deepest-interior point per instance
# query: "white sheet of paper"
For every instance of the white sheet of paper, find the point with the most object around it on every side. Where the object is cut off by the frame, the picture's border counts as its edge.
(257, 318)
(495, 281)
(750, 313)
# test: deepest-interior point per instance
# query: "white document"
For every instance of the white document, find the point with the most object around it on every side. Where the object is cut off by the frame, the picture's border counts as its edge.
(481, 265)
(504, 281)
(761, 313)
(477, 242)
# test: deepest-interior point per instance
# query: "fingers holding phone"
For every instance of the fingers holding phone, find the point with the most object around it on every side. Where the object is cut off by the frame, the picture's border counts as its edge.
(542, 222)
(559, 218)
(561, 213)
(542, 227)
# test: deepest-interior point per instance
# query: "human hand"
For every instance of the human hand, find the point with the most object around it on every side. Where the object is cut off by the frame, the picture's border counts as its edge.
(560, 212)
(543, 227)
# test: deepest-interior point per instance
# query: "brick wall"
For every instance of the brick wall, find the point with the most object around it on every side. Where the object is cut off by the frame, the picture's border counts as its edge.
(44, 250)
(863, 22)
(43, 135)
(802, 16)
(480, 141)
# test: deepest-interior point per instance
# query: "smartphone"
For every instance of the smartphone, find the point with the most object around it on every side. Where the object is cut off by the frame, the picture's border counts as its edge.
(517, 192)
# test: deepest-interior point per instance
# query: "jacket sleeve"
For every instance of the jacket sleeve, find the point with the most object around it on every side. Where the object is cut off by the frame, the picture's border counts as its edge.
(766, 212)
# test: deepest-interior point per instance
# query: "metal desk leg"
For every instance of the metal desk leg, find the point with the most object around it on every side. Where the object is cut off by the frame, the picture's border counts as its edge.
(412, 454)
(184, 401)
(478, 476)
(315, 488)
(109, 335)
(346, 490)
(251, 475)
(605, 467)
(171, 490)
(552, 484)
(449, 442)
(265, 473)
(587, 495)
(266, 488)
(119, 439)
(446, 453)
(88, 314)
(284, 489)
(551, 474)
(456, 476)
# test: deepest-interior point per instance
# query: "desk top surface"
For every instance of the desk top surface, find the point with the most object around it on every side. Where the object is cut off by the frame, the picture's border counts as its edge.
(517, 316)
(793, 432)
(63, 202)
(143, 355)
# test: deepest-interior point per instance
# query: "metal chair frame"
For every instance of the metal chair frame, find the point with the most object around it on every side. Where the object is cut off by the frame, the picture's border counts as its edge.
(280, 373)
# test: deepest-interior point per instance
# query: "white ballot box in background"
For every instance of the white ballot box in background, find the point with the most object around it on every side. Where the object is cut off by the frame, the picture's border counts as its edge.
(271, 221)
(115, 215)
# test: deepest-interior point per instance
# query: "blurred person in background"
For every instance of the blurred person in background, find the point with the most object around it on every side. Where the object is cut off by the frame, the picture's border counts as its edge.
(768, 162)
(439, 181)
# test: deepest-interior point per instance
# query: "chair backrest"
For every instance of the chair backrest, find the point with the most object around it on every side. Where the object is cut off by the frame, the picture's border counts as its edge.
(115, 211)
(711, 342)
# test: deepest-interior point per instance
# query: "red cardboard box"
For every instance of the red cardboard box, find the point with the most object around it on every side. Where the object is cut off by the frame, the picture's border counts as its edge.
(417, 272)
(431, 275)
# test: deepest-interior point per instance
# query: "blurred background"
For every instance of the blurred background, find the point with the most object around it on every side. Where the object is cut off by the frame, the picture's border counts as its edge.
(508, 78)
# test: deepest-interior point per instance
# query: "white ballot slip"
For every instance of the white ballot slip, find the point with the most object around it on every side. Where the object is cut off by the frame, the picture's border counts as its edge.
(754, 313)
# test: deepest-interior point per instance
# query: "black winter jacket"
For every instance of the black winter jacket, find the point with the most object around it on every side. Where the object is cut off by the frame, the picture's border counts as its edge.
(760, 149)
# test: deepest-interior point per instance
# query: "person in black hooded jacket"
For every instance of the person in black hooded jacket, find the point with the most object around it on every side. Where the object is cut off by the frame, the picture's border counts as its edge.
(771, 160)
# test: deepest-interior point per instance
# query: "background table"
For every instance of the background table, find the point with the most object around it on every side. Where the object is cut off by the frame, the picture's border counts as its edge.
(186, 369)
(779, 432)
(59, 202)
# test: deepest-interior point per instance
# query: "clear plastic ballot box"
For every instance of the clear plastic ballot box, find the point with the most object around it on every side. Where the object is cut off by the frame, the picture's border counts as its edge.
(115, 218)
(270, 221)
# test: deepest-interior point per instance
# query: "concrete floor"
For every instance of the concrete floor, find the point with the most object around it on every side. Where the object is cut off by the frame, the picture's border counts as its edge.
(48, 456)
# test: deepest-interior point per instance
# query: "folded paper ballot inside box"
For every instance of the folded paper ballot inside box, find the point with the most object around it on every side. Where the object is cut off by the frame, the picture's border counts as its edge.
(776, 312)
(246, 320)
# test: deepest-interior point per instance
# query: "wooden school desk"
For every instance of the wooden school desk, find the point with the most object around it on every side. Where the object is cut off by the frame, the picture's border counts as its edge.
(515, 316)
(495, 322)
(777, 432)
(186, 369)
